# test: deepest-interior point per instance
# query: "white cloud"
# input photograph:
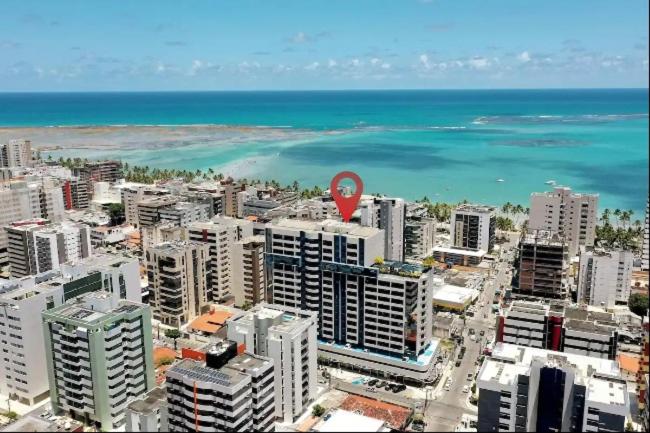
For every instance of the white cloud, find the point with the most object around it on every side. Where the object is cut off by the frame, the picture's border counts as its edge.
(299, 38)
(374, 61)
(331, 63)
(424, 61)
(312, 66)
(385, 66)
(524, 57)
(479, 63)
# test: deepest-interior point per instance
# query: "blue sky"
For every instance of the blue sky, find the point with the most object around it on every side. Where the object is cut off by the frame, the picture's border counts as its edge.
(321, 44)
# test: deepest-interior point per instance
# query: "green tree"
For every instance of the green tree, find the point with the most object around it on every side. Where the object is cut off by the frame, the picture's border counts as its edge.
(174, 334)
(629, 426)
(317, 410)
(638, 304)
(116, 213)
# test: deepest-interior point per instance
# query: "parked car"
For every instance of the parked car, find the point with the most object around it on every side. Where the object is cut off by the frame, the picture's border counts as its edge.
(458, 363)
(381, 384)
(373, 382)
(388, 387)
(470, 376)
(482, 333)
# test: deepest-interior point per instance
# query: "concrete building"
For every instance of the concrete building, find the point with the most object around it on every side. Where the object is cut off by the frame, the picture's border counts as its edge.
(178, 273)
(230, 391)
(560, 328)
(542, 265)
(35, 246)
(16, 153)
(605, 277)
(99, 355)
(573, 216)
(458, 256)
(184, 213)
(259, 200)
(132, 194)
(644, 369)
(161, 233)
(220, 234)
(645, 255)
(98, 171)
(419, 237)
(75, 193)
(22, 301)
(367, 313)
(528, 389)
(23, 200)
(150, 210)
(473, 227)
(232, 200)
(288, 336)
(148, 413)
(388, 214)
(248, 277)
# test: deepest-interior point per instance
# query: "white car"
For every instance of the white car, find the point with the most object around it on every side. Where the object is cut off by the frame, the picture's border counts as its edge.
(466, 389)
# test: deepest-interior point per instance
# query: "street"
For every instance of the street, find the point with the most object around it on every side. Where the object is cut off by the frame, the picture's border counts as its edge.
(445, 412)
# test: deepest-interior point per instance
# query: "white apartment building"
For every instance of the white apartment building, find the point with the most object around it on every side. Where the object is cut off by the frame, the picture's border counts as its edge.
(473, 227)
(150, 209)
(573, 216)
(160, 233)
(605, 277)
(22, 301)
(289, 337)
(184, 213)
(148, 413)
(220, 234)
(26, 200)
(99, 355)
(529, 389)
(248, 277)
(16, 153)
(178, 273)
(34, 246)
(645, 255)
(227, 392)
(134, 193)
(419, 237)
(388, 214)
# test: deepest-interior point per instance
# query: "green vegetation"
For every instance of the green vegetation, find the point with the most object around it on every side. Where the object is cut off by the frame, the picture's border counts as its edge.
(165, 360)
(379, 260)
(11, 415)
(174, 334)
(318, 410)
(621, 232)
(116, 213)
(638, 304)
(247, 306)
(629, 426)
(505, 224)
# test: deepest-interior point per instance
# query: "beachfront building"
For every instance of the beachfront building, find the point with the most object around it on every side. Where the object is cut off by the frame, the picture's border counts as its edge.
(16, 153)
(22, 200)
(248, 277)
(605, 277)
(22, 301)
(529, 389)
(178, 273)
(645, 255)
(99, 355)
(573, 216)
(473, 227)
(542, 265)
(373, 316)
(559, 327)
(289, 337)
(229, 391)
(419, 237)
(388, 214)
(220, 234)
(98, 171)
(36, 246)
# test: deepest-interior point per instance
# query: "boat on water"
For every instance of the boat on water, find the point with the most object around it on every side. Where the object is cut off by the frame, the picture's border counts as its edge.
(550, 182)
(500, 180)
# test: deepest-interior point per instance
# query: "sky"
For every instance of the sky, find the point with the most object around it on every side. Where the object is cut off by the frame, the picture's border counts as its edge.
(88, 45)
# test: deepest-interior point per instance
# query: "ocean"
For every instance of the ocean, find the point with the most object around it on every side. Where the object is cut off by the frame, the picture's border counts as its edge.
(486, 146)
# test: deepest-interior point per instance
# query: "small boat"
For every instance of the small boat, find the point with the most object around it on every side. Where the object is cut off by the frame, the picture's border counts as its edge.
(550, 182)
(500, 180)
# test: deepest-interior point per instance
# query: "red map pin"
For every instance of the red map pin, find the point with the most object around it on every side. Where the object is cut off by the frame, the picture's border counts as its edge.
(346, 205)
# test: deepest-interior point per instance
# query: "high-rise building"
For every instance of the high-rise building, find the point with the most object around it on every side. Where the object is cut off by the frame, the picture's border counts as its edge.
(35, 246)
(16, 153)
(227, 392)
(543, 264)
(178, 273)
(573, 216)
(26, 200)
(220, 234)
(605, 277)
(148, 413)
(22, 301)
(184, 213)
(232, 206)
(388, 214)
(644, 369)
(419, 237)
(473, 227)
(528, 389)
(559, 327)
(150, 209)
(132, 194)
(98, 171)
(160, 233)
(288, 336)
(75, 193)
(248, 278)
(645, 255)
(99, 355)
(369, 314)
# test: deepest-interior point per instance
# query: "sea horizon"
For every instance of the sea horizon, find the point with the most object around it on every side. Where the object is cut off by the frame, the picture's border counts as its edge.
(503, 143)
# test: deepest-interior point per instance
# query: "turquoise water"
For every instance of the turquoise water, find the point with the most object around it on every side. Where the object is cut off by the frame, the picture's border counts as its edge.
(448, 145)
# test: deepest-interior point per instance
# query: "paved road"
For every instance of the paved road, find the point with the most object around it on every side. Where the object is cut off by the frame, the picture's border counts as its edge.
(445, 412)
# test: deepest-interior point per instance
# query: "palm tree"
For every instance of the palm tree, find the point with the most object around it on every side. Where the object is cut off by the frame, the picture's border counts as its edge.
(617, 214)
(606, 214)
(506, 208)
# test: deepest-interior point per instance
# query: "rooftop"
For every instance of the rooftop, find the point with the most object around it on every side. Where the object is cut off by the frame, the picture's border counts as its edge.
(402, 269)
(344, 421)
(247, 363)
(610, 392)
(394, 416)
(329, 226)
(210, 322)
(151, 401)
(475, 208)
(198, 371)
